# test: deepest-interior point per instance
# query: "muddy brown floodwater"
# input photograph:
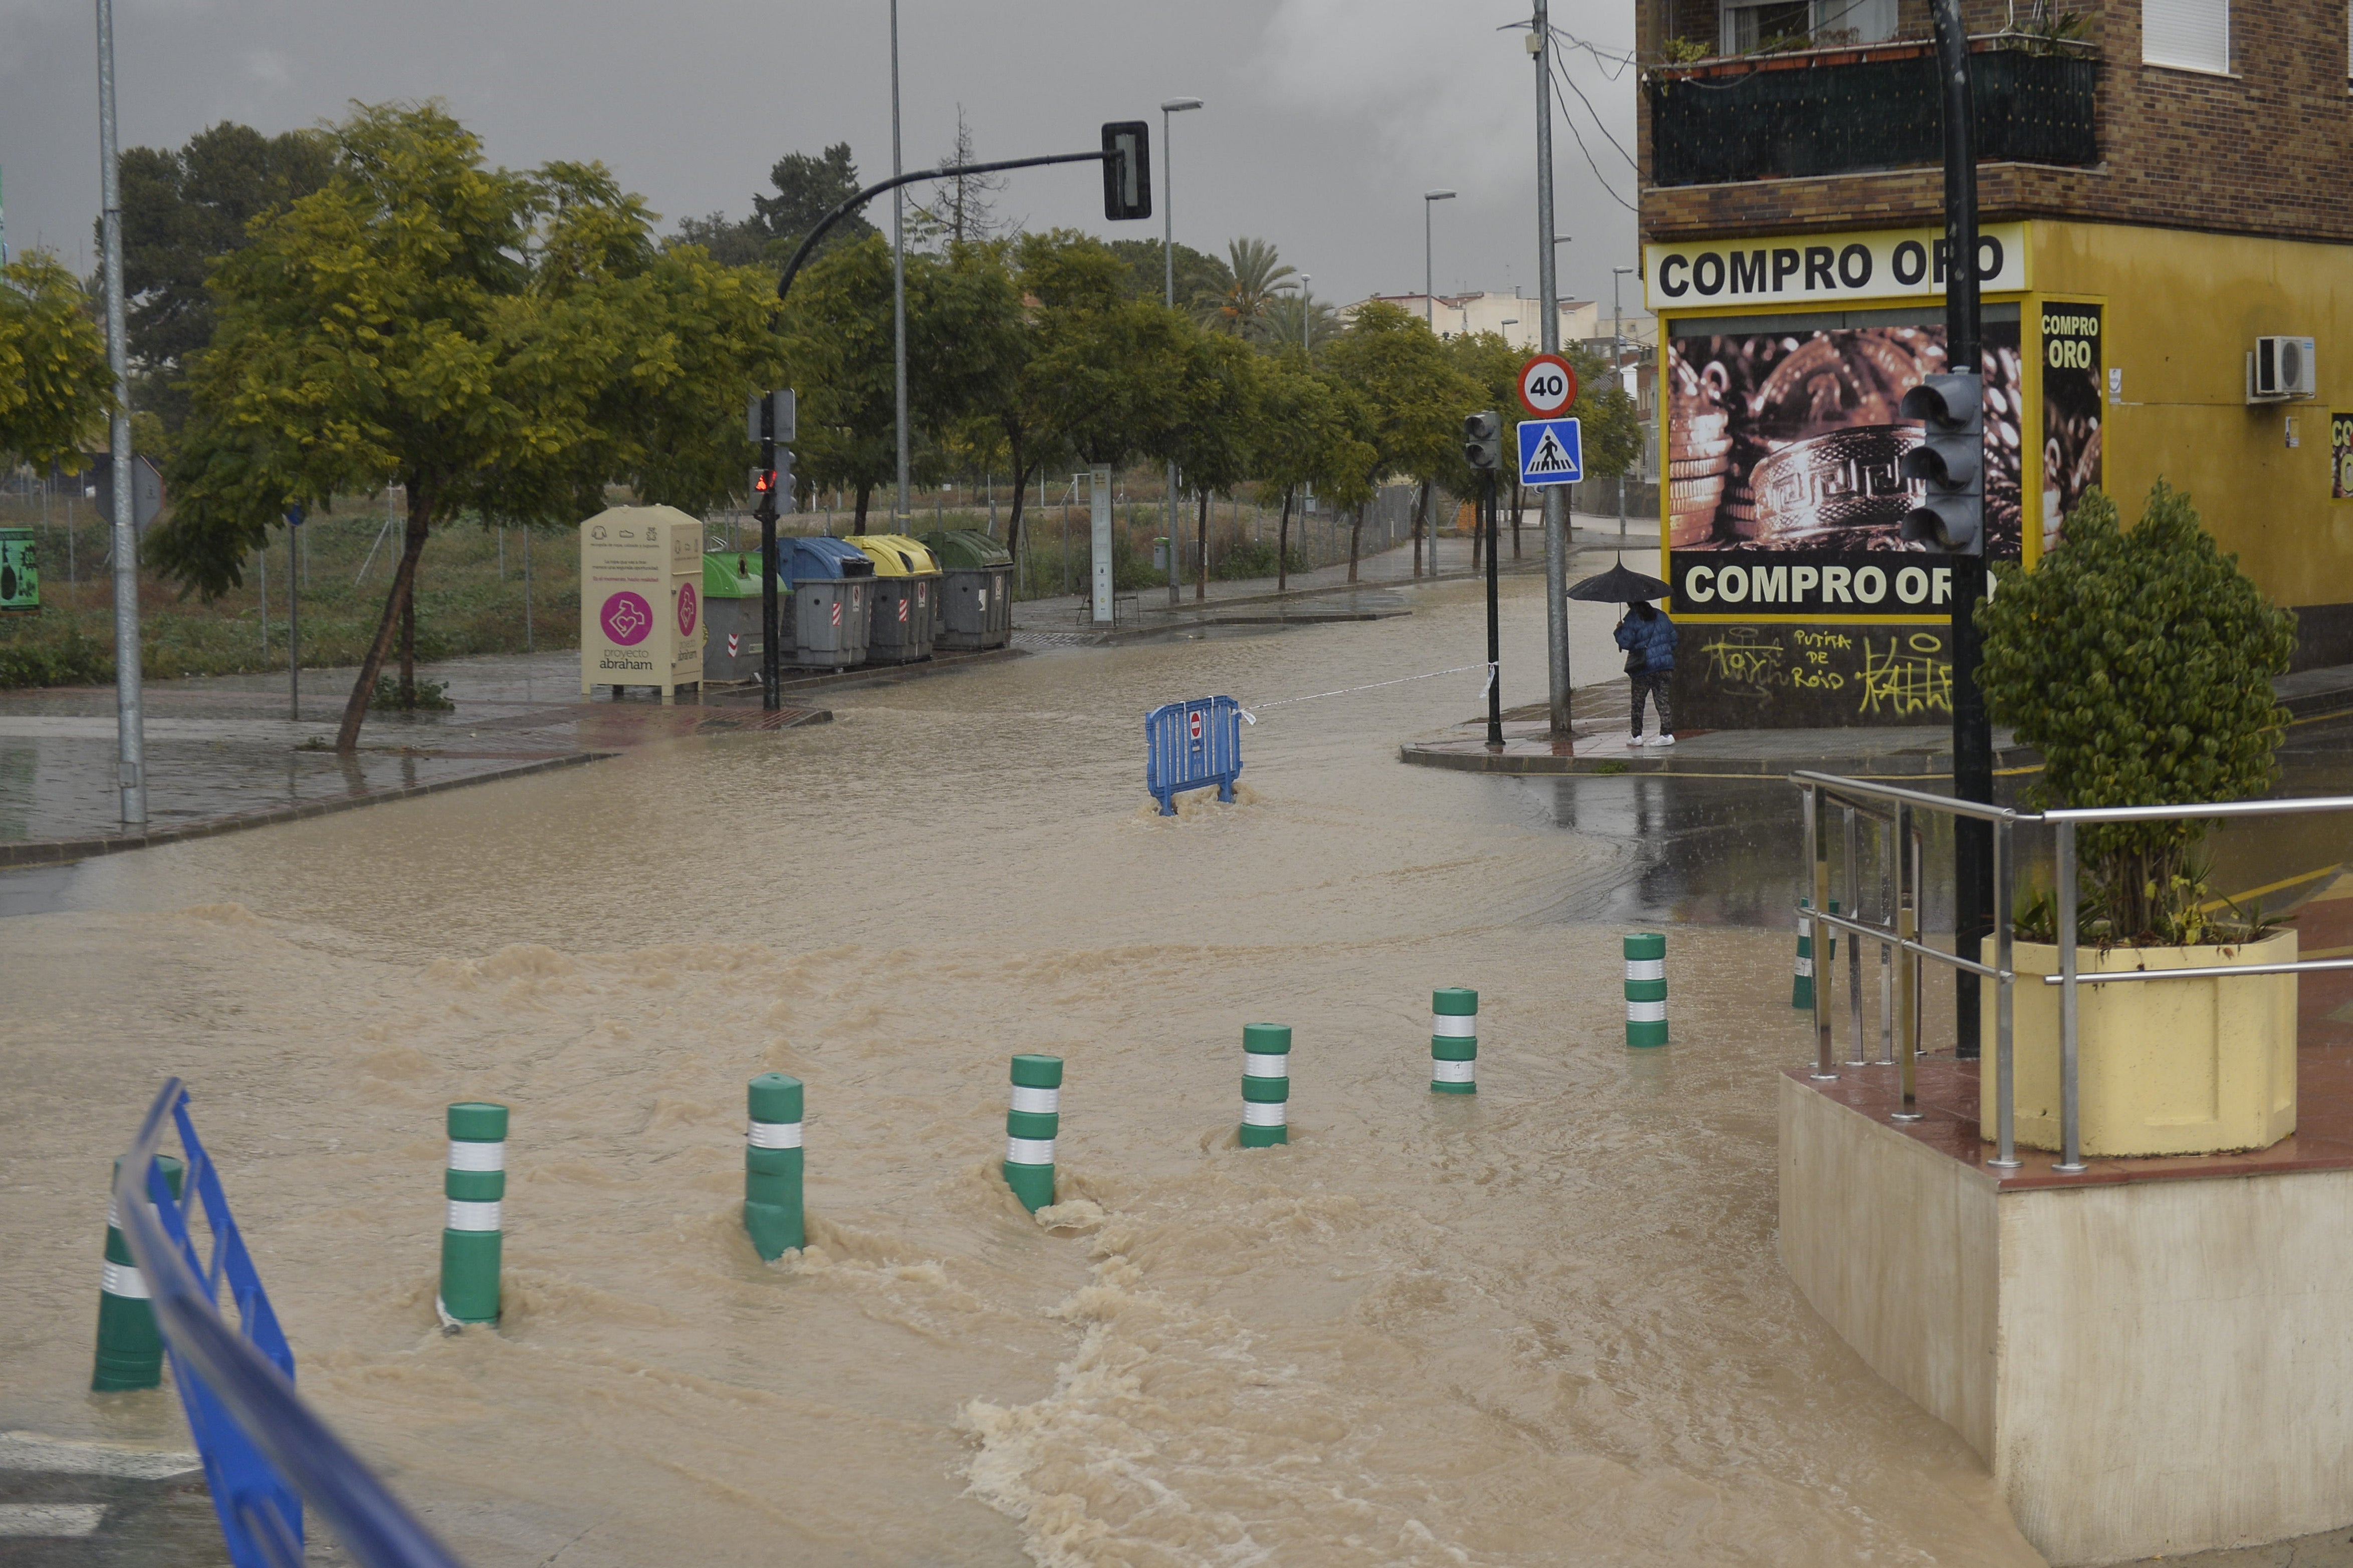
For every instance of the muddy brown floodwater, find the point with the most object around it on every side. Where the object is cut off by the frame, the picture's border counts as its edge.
(1545, 1325)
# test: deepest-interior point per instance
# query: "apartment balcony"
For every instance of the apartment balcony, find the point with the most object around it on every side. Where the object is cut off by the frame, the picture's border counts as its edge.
(1851, 110)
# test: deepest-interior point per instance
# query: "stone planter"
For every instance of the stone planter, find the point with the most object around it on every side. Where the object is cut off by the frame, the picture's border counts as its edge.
(2165, 1067)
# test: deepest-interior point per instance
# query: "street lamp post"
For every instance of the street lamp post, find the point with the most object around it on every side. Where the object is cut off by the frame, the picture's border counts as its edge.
(1555, 508)
(1429, 286)
(1168, 261)
(131, 731)
(1307, 317)
(1617, 370)
(899, 519)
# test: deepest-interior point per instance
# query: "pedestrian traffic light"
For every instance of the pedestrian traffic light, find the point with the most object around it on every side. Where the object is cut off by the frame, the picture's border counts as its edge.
(1951, 459)
(1482, 439)
(1127, 169)
(764, 485)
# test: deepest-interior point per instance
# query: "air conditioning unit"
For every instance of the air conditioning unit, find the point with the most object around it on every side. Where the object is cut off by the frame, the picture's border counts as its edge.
(2280, 370)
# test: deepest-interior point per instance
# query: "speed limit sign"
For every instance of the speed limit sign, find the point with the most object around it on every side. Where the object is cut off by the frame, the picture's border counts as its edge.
(1547, 386)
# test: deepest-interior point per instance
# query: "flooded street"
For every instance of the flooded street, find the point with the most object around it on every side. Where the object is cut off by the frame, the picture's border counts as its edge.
(1545, 1325)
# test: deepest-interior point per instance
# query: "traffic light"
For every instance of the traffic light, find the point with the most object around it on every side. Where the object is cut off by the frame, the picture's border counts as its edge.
(764, 485)
(1951, 458)
(1482, 439)
(1127, 169)
(786, 414)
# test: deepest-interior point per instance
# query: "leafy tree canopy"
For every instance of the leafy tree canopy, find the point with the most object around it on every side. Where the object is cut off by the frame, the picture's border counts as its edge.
(1413, 396)
(55, 389)
(1259, 278)
(807, 187)
(182, 209)
(1196, 274)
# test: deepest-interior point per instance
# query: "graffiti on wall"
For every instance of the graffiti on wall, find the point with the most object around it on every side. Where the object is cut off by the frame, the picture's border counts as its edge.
(1762, 675)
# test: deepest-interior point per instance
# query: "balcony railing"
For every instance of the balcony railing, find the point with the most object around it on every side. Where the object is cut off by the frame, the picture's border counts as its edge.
(1851, 112)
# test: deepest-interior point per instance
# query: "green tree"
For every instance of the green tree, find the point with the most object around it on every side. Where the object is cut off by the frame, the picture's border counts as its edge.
(1197, 274)
(1213, 424)
(807, 187)
(483, 339)
(1259, 280)
(1307, 439)
(1413, 399)
(1292, 321)
(2139, 663)
(962, 310)
(183, 209)
(56, 391)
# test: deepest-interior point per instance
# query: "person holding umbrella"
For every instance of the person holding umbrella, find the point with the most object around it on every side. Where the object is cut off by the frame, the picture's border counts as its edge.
(1648, 637)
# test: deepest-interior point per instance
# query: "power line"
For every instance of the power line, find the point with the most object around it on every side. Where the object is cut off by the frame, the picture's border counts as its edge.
(1630, 161)
(1602, 57)
(1572, 131)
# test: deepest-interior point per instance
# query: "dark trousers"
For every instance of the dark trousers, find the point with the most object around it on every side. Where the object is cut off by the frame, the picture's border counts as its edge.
(1652, 684)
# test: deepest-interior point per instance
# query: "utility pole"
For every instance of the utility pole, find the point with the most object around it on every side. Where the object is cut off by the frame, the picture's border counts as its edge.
(294, 610)
(899, 516)
(1168, 274)
(1972, 735)
(1556, 501)
(130, 733)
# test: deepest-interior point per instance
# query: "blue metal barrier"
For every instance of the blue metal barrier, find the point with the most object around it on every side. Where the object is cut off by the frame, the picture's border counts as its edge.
(1191, 745)
(265, 1451)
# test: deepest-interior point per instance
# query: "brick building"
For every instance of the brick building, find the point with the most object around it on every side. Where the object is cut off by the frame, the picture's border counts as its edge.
(2165, 193)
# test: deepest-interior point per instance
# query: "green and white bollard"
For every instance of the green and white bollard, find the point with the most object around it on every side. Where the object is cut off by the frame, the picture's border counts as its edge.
(476, 1186)
(1454, 1041)
(1029, 1129)
(772, 1166)
(1802, 988)
(1266, 1085)
(130, 1347)
(1646, 989)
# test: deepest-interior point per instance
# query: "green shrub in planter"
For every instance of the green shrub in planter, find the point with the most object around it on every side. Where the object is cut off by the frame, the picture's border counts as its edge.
(2138, 662)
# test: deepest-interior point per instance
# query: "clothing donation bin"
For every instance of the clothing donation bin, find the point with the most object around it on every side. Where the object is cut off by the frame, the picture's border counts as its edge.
(731, 615)
(906, 581)
(640, 599)
(975, 589)
(833, 587)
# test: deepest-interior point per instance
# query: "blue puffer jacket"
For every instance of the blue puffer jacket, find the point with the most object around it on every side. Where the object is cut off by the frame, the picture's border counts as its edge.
(1655, 637)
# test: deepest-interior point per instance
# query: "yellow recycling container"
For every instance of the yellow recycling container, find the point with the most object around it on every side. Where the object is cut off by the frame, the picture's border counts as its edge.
(906, 581)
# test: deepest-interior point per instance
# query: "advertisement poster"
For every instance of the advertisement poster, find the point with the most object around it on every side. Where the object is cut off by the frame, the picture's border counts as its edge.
(2340, 456)
(2071, 411)
(1784, 496)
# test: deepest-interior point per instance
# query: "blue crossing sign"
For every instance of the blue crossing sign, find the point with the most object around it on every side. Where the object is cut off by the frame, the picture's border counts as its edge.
(1552, 452)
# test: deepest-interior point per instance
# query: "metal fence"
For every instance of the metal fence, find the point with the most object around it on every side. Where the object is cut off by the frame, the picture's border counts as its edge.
(1895, 813)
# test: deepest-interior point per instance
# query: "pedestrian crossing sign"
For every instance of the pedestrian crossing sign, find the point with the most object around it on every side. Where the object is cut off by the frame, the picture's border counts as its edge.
(1552, 452)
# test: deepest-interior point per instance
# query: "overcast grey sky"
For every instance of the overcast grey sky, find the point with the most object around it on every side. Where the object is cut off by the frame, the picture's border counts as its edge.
(1325, 118)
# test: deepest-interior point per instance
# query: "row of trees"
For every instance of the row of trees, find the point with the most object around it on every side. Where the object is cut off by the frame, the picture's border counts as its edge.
(373, 306)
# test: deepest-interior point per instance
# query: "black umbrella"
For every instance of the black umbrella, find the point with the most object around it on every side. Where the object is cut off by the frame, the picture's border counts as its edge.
(1619, 586)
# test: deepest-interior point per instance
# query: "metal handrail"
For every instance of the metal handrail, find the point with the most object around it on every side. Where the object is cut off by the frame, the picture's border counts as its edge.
(1899, 934)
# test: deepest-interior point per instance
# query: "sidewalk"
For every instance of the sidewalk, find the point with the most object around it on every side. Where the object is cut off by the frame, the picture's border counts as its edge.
(1598, 717)
(1322, 594)
(224, 753)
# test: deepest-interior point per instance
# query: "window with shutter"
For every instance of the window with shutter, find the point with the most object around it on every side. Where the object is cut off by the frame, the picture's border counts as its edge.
(2193, 35)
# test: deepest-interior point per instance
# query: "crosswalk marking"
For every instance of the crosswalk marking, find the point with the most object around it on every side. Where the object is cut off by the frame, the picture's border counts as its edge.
(23, 1520)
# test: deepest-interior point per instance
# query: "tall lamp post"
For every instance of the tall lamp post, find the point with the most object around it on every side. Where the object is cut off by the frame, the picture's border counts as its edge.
(130, 733)
(1617, 369)
(1429, 279)
(1307, 317)
(899, 514)
(1168, 259)
(1556, 507)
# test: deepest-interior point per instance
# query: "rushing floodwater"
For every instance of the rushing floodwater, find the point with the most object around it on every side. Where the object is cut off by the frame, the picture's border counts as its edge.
(1543, 1326)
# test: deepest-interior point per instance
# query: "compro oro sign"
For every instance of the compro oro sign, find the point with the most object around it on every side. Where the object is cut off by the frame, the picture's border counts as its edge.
(1880, 264)
(641, 599)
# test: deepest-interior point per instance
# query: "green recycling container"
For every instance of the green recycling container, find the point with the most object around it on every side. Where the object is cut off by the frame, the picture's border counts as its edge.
(976, 596)
(730, 612)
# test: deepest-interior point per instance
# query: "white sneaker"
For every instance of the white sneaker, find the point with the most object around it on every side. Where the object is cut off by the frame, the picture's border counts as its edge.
(1660, 740)
(1632, 742)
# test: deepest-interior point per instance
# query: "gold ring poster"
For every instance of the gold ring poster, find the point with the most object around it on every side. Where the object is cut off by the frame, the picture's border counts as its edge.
(1785, 500)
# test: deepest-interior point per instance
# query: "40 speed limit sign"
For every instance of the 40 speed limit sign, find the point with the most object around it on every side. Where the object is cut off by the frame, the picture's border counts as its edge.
(1547, 386)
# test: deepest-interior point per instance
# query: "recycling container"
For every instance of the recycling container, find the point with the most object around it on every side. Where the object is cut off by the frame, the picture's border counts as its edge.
(906, 581)
(20, 572)
(640, 599)
(832, 583)
(731, 615)
(975, 589)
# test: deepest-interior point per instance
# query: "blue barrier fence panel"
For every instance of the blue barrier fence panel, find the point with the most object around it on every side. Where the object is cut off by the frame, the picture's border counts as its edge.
(266, 1452)
(1192, 745)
